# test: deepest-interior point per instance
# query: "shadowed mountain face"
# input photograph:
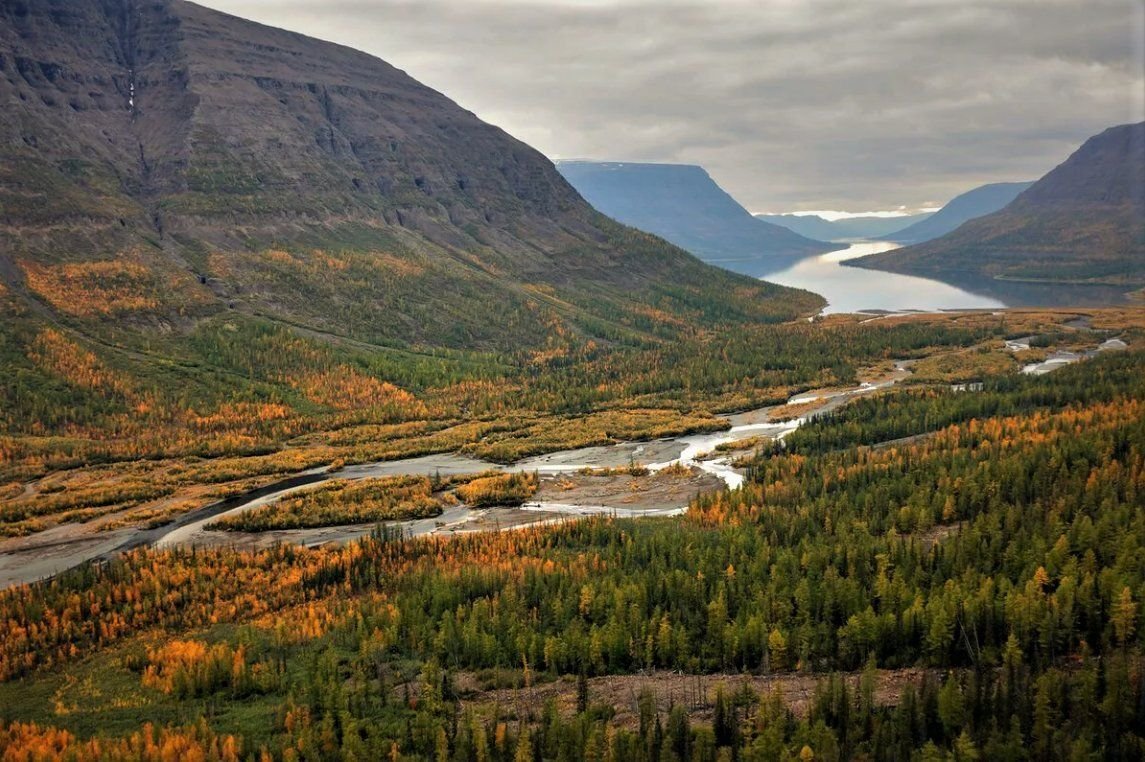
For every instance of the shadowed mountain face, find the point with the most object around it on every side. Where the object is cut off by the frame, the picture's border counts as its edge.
(1084, 222)
(202, 114)
(981, 201)
(814, 226)
(170, 162)
(684, 205)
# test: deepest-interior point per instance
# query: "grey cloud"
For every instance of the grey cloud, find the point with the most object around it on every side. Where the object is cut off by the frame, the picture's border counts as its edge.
(790, 104)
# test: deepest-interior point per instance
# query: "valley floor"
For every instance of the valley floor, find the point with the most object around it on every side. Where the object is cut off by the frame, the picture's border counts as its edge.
(941, 560)
(42, 554)
(569, 489)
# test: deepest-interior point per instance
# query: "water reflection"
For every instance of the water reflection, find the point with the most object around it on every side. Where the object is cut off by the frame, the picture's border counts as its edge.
(850, 289)
(853, 289)
(1019, 294)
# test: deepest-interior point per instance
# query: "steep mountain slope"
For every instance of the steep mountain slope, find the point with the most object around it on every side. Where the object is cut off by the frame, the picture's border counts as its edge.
(1083, 222)
(981, 201)
(814, 226)
(161, 163)
(684, 205)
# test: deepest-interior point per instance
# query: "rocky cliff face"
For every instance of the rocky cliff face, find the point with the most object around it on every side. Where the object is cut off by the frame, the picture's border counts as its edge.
(204, 114)
(185, 144)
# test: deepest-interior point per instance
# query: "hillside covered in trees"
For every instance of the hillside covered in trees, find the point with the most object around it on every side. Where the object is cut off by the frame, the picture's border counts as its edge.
(201, 205)
(986, 560)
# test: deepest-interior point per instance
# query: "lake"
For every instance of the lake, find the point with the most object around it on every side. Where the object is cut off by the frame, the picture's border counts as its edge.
(853, 289)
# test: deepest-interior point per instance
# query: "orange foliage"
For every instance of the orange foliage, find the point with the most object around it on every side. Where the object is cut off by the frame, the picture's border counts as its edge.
(344, 388)
(56, 355)
(230, 413)
(317, 261)
(281, 257)
(40, 626)
(660, 316)
(189, 667)
(338, 502)
(397, 265)
(311, 621)
(28, 741)
(46, 624)
(93, 289)
(502, 489)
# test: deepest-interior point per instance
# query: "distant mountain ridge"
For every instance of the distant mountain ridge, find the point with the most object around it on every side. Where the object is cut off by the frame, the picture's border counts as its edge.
(983, 200)
(814, 226)
(1083, 222)
(910, 229)
(683, 204)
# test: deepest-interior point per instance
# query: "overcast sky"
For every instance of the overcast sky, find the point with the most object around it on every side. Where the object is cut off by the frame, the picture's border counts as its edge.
(791, 105)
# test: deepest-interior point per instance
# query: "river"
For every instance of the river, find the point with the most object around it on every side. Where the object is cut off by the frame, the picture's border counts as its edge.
(54, 550)
(690, 451)
(694, 451)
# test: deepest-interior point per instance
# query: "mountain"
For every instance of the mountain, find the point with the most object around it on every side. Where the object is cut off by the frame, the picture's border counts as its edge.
(814, 226)
(1084, 222)
(911, 229)
(684, 205)
(981, 201)
(163, 165)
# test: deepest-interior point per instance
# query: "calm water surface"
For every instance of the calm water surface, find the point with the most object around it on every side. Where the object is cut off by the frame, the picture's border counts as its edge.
(851, 289)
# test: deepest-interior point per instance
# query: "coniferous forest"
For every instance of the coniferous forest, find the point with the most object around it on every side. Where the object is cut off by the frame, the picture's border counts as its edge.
(923, 573)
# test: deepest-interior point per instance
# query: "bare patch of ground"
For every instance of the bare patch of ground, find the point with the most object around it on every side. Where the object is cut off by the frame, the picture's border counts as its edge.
(27, 559)
(496, 519)
(256, 540)
(611, 456)
(695, 692)
(937, 533)
(796, 410)
(903, 441)
(652, 491)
